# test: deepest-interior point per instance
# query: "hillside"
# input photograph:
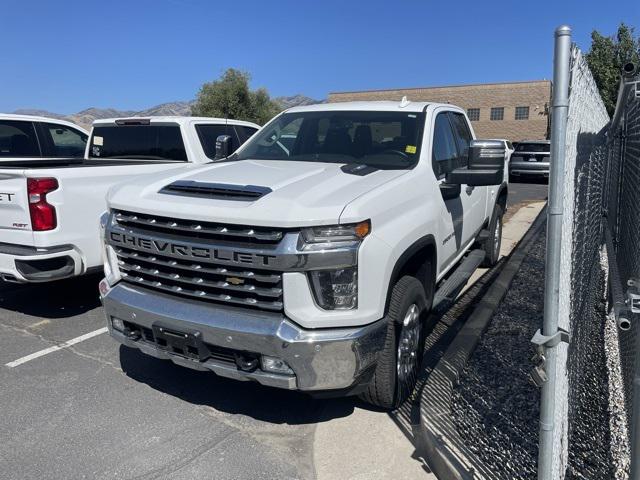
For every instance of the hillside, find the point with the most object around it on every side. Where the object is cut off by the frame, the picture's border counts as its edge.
(85, 117)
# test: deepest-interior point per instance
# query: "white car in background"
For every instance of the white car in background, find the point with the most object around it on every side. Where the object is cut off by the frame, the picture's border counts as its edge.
(50, 207)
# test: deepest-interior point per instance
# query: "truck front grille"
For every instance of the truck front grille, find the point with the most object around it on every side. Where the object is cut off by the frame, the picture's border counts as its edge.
(200, 230)
(205, 281)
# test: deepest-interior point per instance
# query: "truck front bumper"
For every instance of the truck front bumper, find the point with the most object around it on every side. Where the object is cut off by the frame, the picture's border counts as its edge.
(23, 264)
(321, 360)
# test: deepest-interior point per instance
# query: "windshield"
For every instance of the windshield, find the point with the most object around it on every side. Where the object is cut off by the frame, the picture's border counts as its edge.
(533, 147)
(386, 140)
(143, 142)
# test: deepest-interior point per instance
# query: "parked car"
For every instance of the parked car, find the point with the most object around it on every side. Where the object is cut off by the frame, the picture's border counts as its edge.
(29, 138)
(508, 150)
(308, 264)
(531, 158)
(49, 208)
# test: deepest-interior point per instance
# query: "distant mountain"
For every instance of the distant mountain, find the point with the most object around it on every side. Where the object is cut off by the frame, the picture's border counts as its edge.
(86, 117)
(296, 100)
(38, 113)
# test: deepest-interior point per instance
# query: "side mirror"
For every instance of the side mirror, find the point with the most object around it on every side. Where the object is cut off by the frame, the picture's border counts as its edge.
(223, 146)
(486, 165)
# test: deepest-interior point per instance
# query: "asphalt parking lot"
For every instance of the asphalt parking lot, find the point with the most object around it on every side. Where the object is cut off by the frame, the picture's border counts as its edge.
(99, 410)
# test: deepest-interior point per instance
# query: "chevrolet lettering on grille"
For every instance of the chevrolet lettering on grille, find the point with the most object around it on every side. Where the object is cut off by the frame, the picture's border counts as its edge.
(189, 251)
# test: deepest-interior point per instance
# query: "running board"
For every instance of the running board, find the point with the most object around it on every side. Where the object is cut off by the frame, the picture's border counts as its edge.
(450, 288)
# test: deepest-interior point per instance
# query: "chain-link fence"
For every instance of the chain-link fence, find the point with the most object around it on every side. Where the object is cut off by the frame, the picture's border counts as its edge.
(622, 232)
(593, 386)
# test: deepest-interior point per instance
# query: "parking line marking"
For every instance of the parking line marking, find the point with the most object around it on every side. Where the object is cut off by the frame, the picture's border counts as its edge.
(55, 348)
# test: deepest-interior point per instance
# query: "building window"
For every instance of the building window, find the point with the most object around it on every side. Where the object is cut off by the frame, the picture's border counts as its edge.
(497, 113)
(473, 114)
(522, 113)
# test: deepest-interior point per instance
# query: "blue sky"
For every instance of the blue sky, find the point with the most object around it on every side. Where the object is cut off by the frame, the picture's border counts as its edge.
(67, 56)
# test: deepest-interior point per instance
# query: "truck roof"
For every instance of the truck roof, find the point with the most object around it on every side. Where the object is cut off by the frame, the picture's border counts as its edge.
(179, 120)
(37, 118)
(387, 106)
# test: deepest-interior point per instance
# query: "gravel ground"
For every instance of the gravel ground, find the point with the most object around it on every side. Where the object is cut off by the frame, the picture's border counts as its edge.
(495, 406)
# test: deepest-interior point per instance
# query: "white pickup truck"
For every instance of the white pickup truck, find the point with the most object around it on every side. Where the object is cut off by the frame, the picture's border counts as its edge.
(49, 207)
(311, 257)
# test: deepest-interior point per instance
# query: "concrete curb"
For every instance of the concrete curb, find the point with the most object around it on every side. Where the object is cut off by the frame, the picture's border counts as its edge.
(437, 439)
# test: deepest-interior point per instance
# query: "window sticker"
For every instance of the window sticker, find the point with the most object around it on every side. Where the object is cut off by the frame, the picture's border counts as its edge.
(98, 141)
(410, 149)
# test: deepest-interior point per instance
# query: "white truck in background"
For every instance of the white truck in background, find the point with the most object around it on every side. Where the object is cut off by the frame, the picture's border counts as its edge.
(50, 206)
(310, 258)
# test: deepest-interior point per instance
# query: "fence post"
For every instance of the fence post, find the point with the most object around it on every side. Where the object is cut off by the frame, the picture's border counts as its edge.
(635, 414)
(559, 111)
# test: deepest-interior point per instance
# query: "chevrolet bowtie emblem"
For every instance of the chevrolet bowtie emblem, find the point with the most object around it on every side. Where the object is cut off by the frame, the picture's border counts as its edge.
(234, 280)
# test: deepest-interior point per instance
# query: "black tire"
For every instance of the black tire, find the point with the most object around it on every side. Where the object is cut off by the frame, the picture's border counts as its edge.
(493, 243)
(387, 388)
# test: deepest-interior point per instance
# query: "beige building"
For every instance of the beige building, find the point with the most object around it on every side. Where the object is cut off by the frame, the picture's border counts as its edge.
(515, 110)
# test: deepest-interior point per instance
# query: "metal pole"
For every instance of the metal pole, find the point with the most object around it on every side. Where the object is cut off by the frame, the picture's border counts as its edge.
(559, 111)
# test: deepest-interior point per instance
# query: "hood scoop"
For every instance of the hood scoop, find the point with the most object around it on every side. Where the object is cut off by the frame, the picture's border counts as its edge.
(218, 191)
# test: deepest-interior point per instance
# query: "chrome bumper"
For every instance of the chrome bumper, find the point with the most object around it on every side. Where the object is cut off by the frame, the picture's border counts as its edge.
(328, 359)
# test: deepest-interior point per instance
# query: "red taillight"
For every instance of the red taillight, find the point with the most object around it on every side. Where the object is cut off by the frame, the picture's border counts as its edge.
(43, 215)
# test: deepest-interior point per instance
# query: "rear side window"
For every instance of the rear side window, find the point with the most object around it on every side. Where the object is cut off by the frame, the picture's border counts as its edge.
(141, 142)
(245, 133)
(63, 141)
(533, 147)
(209, 133)
(18, 139)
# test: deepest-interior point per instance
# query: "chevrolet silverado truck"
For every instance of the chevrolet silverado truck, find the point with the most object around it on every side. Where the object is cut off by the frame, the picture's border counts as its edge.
(49, 207)
(311, 263)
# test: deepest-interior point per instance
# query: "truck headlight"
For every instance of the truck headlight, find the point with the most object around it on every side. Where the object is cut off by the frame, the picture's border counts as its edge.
(109, 257)
(334, 236)
(336, 289)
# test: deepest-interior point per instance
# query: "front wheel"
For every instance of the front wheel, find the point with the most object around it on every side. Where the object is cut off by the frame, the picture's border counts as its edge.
(399, 363)
(494, 242)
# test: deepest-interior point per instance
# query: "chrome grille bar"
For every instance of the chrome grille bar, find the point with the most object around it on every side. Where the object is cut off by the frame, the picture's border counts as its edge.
(168, 262)
(201, 294)
(179, 225)
(132, 268)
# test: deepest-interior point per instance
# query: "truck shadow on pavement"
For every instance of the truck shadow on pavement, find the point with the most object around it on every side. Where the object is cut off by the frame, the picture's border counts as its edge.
(230, 396)
(61, 299)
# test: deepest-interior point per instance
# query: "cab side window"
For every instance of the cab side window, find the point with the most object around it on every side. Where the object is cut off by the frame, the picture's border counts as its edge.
(63, 141)
(18, 139)
(444, 151)
(208, 133)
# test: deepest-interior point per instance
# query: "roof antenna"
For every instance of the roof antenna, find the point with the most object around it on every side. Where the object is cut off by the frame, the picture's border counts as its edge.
(404, 102)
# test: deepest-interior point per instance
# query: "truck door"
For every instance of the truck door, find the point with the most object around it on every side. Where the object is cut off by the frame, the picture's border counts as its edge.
(474, 199)
(460, 216)
(444, 154)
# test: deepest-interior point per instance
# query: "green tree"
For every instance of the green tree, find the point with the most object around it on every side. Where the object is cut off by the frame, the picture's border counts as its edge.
(606, 59)
(231, 97)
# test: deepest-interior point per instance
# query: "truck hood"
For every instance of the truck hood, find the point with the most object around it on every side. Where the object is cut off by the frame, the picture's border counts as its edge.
(302, 193)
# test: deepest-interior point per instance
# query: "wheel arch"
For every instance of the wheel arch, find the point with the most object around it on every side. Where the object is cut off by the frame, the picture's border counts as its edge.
(503, 194)
(412, 262)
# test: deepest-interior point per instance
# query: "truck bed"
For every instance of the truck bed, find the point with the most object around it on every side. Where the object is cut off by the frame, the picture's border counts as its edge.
(75, 162)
